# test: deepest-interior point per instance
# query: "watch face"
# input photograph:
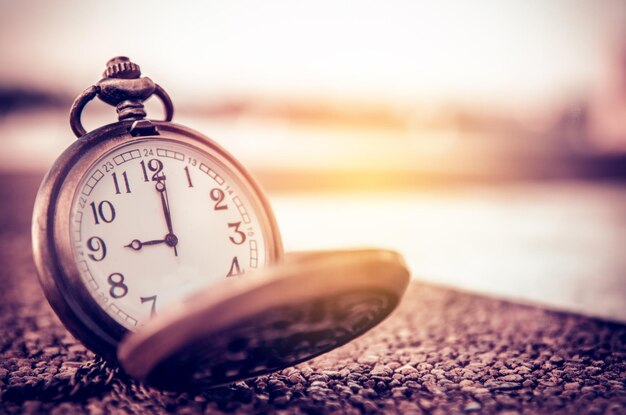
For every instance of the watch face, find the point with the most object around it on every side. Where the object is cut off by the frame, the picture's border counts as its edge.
(155, 220)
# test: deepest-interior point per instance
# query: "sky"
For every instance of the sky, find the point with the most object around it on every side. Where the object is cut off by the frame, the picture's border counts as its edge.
(516, 54)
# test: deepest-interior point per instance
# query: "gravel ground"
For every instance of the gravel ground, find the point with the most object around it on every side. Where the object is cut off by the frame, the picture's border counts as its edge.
(441, 352)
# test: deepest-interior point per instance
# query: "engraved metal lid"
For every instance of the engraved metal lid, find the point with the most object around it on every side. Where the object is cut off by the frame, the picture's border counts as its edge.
(275, 318)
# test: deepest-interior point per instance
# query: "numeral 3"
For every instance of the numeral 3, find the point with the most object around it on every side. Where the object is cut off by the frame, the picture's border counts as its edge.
(240, 237)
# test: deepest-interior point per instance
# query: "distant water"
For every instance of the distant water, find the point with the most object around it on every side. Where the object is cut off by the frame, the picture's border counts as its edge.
(560, 244)
(557, 244)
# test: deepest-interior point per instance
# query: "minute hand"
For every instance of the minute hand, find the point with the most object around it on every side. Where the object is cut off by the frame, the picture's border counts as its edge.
(161, 188)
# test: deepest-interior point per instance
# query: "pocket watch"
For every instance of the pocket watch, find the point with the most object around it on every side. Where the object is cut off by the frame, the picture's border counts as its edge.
(157, 249)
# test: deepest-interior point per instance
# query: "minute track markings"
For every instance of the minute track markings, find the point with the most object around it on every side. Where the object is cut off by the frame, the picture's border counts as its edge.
(179, 179)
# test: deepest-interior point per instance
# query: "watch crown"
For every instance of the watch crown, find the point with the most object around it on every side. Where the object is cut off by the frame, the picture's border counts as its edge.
(121, 67)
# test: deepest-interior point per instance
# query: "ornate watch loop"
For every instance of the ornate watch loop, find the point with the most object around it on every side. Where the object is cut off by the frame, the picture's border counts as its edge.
(167, 102)
(77, 109)
(122, 87)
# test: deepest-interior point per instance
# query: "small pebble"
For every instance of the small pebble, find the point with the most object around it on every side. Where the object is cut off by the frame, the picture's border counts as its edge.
(472, 406)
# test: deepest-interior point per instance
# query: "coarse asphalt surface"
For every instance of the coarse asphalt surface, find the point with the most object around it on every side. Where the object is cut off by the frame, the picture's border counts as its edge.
(441, 352)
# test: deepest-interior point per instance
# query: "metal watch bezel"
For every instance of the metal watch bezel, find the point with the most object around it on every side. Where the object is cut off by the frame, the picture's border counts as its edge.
(52, 243)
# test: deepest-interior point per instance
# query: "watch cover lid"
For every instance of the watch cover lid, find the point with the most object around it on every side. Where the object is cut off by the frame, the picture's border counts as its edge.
(309, 304)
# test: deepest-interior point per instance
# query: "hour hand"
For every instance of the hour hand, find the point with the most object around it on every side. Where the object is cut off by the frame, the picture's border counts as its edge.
(136, 244)
(170, 240)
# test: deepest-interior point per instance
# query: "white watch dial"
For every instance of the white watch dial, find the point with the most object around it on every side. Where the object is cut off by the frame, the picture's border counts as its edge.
(155, 220)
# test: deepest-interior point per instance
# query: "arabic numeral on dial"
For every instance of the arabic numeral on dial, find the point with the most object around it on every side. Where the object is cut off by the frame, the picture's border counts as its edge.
(96, 245)
(104, 211)
(188, 176)
(240, 236)
(235, 269)
(107, 166)
(151, 299)
(217, 195)
(117, 186)
(118, 288)
(154, 166)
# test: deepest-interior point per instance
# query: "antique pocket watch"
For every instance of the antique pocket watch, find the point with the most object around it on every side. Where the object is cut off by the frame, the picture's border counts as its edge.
(157, 249)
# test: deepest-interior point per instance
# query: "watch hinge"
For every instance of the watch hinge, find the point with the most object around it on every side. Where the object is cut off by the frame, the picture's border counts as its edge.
(143, 127)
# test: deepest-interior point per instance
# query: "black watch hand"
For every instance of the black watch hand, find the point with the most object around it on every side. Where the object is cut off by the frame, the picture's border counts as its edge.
(136, 244)
(160, 187)
(170, 240)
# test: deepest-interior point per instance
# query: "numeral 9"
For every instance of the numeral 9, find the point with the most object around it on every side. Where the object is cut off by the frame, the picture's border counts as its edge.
(96, 244)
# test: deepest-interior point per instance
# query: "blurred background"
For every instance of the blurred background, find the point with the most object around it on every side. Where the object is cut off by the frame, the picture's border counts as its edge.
(484, 140)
